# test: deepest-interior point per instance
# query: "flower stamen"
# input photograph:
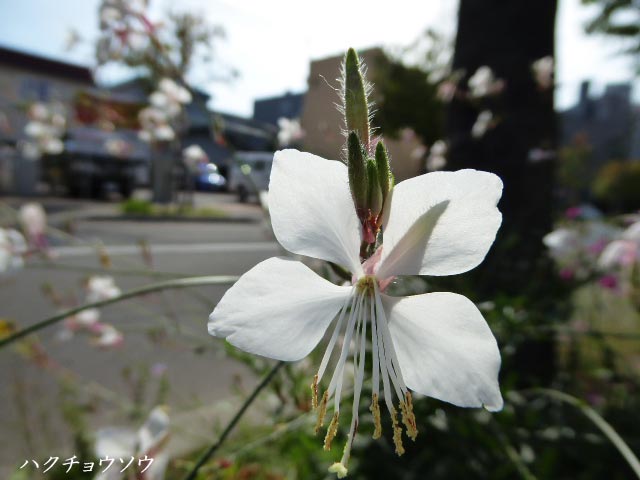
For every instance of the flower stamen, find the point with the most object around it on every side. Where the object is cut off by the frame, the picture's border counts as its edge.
(397, 433)
(332, 430)
(314, 392)
(408, 418)
(375, 410)
(322, 411)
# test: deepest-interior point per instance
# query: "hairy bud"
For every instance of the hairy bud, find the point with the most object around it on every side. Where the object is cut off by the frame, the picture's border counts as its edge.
(356, 108)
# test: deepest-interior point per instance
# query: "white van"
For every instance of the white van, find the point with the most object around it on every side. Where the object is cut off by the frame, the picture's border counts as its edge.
(249, 174)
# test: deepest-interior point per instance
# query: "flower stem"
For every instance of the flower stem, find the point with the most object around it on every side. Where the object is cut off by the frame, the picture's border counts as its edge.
(597, 419)
(236, 418)
(154, 287)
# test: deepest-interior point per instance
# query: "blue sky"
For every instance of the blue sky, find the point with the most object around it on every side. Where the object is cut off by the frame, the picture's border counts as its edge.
(272, 42)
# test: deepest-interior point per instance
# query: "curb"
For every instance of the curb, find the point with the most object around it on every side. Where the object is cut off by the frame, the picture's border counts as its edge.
(167, 218)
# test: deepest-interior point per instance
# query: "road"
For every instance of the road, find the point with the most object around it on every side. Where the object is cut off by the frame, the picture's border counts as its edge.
(161, 330)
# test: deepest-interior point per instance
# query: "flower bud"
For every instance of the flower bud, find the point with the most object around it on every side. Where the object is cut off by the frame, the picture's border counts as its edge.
(356, 108)
(385, 177)
(375, 195)
(357, 172)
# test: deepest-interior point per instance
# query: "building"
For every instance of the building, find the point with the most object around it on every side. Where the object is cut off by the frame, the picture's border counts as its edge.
(24, 79)
(323, 123)
(269, 110)
(610, 124)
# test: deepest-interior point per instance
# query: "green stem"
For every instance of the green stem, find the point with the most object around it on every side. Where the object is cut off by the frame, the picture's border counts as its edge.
(513, 454)
(154, 287)
(597, 419)
(230, 426)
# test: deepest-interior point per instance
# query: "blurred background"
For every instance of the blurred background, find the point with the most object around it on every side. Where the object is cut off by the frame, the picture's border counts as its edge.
(136, 143)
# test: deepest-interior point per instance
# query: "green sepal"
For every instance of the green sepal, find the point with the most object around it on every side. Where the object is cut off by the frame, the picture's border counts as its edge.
(357, 169)
(376, 197)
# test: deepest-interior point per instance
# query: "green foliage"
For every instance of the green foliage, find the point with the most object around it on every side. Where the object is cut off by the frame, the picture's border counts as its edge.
(402, 88)
(135, 206)
(617, 186)
(407, 85)
(145, 208)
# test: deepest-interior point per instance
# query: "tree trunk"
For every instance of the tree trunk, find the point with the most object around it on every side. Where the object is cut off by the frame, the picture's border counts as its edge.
(508, 36)
(162, 173)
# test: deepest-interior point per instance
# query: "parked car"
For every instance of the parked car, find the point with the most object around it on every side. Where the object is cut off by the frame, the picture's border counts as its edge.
(249, 174)
(95, 162)
(207, 178)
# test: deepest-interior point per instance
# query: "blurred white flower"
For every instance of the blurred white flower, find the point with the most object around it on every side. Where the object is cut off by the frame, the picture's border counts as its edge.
(149, 440)
(543, 72)
(43, 131)
(619, 253)
(437, 158)
(12, 248)
(101, 287)
(483, 83)
(290, 131)
(446, 91)
(483, 123)
(117, 147)
(33, 220)
(155, 125)
(174, 93)
(107, 336)
(194, 155)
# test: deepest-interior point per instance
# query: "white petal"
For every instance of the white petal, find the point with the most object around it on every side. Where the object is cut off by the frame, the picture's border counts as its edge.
(312, 212)
(440, 223)
(154, 431)
(115, 442)
(279, 309)
(445, 348)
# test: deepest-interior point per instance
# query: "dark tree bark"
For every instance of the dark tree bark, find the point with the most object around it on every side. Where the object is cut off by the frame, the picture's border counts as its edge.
(508, 36)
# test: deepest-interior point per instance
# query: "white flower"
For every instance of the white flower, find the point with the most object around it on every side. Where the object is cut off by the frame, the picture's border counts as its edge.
(101, 287)
(107, 336)
(46, 126)
(289, 131)
(437, 159)
(193, 155)
(483, 83)
(543, 72)
(117, 147)
(562, 243)
(619, 253)
(174, 92)
(149, 440)
(483, 123)
(34, 221)
(436, 344)
(12, 248)
(155, 125)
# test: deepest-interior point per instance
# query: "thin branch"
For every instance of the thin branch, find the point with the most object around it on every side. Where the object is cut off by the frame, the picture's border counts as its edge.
(230, 426)
(154, 287)
(604, 426)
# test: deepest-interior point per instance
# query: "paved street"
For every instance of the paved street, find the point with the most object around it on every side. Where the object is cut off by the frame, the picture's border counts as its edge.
(160, 329)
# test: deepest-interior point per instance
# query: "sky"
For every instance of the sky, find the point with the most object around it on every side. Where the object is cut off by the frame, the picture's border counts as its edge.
(272, 42)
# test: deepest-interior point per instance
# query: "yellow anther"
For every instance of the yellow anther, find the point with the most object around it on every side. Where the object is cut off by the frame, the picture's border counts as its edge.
(397, 432)
(332, 430)
(408, 418)
(314, 392)
(339, 469)
(322, 411)
(375, 410)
